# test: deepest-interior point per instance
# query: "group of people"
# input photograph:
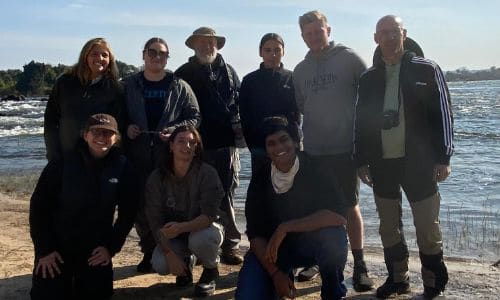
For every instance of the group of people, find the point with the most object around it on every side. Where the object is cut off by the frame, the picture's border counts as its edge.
(312, 133)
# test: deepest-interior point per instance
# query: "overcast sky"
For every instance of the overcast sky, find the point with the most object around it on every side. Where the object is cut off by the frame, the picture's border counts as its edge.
(453, 33)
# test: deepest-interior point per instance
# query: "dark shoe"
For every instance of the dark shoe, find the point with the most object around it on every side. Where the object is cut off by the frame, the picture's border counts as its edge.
(182, 281)
(145, 265)
(390, 287)
(231, 257)
(206, 284)
(361, 282)
(431, 293)
(308, 274)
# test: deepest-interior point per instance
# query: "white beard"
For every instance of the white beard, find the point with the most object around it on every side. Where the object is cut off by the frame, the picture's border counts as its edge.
(206, 59)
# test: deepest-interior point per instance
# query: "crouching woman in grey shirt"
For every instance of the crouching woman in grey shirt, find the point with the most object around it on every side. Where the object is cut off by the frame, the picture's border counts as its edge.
(183, 196)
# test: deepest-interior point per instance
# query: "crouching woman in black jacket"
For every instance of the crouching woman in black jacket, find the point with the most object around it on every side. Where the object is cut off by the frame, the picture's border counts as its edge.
(72, 221)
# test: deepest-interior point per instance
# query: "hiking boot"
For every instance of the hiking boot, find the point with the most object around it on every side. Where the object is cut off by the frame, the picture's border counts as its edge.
(145, 265)
(361, 282)
(308, 273)
(231, 257)
(182, 281)
(390, 287)
(206, 284)
(432, 293)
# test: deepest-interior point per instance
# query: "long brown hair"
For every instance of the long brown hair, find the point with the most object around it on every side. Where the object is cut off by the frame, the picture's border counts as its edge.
(166, 164)
(81, 68)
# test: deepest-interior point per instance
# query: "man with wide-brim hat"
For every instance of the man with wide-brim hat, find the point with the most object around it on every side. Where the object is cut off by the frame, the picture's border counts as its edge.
(208, 32)
(216, 86)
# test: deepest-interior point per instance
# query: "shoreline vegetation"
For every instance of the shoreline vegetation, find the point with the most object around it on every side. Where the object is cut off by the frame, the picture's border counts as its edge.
(36, 79)
(469, 278)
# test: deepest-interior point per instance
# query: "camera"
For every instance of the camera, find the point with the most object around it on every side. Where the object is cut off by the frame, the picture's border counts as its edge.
(390, 119)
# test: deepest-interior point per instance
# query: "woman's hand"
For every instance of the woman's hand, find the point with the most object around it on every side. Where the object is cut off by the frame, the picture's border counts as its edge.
(48, 264)
(284, 285)
(100, 257)
(133, 131)
(172, 229)
(176, 266)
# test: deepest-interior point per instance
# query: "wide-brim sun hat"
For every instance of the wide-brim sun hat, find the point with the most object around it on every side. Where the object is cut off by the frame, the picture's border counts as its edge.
(205, 31)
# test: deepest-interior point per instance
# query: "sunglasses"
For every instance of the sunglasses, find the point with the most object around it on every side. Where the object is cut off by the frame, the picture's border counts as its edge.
(153, 53)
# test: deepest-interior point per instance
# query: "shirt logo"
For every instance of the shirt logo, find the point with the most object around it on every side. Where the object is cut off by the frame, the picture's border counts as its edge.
(421, 83)
(113, 180)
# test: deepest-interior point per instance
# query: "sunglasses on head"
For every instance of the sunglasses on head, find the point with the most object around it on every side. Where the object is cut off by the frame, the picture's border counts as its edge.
(153, 53)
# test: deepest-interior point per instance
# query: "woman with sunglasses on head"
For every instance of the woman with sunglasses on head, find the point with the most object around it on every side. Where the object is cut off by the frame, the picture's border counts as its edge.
(72, 211)
(157, 102)
(183, 197)
(90, 86)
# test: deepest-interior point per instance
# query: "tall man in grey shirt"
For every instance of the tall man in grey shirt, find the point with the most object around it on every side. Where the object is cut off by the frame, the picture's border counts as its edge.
(325, 89)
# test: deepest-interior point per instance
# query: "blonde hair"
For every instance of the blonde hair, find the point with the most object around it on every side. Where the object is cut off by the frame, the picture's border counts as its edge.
(312, 16)
(81, 68)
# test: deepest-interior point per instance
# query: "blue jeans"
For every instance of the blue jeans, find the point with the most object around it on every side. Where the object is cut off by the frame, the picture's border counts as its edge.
(326, 247)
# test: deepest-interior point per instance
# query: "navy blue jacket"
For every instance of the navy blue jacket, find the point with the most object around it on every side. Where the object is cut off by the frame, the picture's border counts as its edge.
(427, 109)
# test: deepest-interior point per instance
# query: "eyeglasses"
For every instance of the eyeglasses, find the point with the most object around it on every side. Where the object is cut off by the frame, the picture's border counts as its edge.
(153, 53)
(105, 133)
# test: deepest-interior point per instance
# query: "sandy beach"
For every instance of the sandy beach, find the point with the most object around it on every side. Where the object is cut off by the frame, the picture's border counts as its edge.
(468, 279)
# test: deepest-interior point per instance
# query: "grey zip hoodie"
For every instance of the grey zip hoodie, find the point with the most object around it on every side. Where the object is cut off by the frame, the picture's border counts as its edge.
(326, 91)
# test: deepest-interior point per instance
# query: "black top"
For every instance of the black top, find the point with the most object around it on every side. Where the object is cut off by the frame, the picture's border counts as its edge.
(154, 94)
(265, 93)
(74, 202)
(216, 87)
(311, 192)
(69, 106)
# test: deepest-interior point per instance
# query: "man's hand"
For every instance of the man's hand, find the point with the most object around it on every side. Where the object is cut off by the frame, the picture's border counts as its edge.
(164, 135)
(284, 285)
(176, 266)
(48, 264)
(133, 131)
(100, 257)
(365, 176)
(274, 243)
(441, 172)
(172, 229)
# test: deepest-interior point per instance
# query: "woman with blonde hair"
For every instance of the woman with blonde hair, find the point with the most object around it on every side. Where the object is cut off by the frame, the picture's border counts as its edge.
(88, 87)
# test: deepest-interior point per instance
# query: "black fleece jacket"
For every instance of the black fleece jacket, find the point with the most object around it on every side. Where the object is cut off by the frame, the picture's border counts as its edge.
(265, 93)
(73, 205)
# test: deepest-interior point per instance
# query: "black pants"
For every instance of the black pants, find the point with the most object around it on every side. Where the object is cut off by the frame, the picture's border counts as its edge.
(224, 161)
(77, 280)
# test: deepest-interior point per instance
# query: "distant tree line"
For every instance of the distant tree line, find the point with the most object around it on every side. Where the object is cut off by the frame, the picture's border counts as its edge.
(463, 74)
(37, 78)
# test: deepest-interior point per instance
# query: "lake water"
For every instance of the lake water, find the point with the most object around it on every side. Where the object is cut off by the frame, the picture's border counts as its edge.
(470, 208)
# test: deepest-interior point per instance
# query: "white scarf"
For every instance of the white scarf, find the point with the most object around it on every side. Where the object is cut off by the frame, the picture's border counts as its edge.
(282, 181)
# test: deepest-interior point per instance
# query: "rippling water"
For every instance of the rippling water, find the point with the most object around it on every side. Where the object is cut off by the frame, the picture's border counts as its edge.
(470, 209)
